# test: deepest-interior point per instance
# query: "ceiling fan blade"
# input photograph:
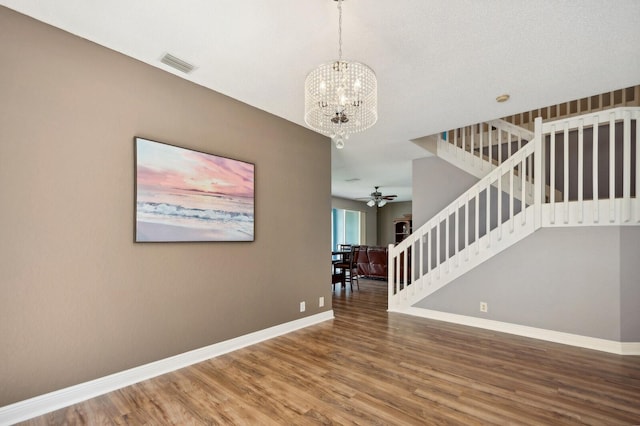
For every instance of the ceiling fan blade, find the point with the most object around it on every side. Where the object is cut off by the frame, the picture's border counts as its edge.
(389, 197)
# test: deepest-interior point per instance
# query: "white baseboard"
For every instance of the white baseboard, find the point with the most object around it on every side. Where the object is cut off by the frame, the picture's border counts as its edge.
(611, 346)
(56, 400)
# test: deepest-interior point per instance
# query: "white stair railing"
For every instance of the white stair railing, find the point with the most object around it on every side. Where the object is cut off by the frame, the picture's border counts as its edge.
(497, 211)
(596, 169)
(480, 148)
(481, 222)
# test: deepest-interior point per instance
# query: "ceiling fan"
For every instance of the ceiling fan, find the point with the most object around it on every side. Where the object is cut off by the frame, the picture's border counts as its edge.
(376, 197)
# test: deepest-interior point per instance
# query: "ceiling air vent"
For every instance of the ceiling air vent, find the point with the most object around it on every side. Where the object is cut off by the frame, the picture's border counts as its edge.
(177, 63)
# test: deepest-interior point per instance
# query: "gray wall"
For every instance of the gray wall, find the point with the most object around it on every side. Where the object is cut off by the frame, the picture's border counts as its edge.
(562, 279)
(370, 214)
(578, 280)
(630, 284)
(436, 183)
(78, 299)
(386, 215)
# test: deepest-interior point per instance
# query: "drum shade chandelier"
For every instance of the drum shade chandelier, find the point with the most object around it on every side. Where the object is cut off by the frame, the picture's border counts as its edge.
(341, 97)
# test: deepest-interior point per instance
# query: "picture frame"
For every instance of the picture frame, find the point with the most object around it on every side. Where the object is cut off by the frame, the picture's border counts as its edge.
(185, 195)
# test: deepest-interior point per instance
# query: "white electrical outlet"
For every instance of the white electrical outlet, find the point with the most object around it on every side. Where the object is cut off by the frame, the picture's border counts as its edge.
(484, 307)
(303, 307)
(321, 302)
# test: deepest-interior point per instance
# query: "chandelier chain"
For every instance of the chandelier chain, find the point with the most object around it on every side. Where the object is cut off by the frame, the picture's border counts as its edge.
(339, 30)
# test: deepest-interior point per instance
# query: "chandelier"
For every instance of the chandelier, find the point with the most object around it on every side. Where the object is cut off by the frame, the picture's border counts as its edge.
(341, 97)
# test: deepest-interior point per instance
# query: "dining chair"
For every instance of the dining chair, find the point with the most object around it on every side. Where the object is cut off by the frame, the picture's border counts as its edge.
(349, 266)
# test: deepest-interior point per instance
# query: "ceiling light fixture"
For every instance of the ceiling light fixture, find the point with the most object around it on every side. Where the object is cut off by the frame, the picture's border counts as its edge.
(378, 198)
(503, 98)
(341, 97)
(372, 203)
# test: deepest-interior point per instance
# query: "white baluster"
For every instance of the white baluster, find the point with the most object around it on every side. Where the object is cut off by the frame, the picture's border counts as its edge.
(477, 219)
(580, 171)
(530, 174)
(456, 229)
(538, 174)
(480, 148)
(565, 196)
(519, 141)
(396, 266)
(511, 197)
(438, 243)
(466, 226)
(499, 146)
(473, 160)
(552, 178)
(464, 143)
(447, 242)
(490, 145)
(596, 171)
(391, 273)
(455, 140)
(429, 256)
(422, 252)
(523, 188)
(499, 209)
(626, 167)
(405, 269)
(612, 167)
(488, 217)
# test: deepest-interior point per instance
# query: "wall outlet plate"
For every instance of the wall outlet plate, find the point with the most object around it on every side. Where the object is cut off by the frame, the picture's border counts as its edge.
(303, 307)
(321, 301)
(484, 307)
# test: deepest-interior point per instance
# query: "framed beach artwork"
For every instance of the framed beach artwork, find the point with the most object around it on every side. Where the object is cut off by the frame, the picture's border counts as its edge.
(186, 195)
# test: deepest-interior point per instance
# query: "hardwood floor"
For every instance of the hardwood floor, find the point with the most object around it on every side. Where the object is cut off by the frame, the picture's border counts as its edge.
(374, 368)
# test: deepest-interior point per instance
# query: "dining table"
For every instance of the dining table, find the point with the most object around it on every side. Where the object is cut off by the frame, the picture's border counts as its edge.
(338, 275)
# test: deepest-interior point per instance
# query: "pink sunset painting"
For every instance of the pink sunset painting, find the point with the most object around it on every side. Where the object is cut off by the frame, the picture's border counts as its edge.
(185, 195)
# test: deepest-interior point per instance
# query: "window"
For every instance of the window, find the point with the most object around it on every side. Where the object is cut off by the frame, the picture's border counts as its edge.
(345, 227)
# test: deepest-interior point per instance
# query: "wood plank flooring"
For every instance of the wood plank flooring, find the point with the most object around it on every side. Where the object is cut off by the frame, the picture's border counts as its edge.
(374, 368)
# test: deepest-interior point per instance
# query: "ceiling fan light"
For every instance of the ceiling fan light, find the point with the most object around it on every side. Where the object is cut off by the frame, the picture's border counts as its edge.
(382, 203)
(371, 203)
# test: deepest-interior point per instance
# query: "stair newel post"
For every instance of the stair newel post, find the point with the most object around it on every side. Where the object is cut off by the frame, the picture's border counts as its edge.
(538, 175)
(390, 275)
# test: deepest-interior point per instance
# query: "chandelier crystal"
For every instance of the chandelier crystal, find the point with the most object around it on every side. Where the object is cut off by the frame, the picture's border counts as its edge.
(341, 97)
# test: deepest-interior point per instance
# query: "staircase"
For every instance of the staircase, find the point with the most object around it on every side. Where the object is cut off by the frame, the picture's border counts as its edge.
(578, 171)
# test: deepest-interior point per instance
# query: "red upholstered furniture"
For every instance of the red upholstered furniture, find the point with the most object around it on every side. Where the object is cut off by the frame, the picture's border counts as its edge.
(372, 262)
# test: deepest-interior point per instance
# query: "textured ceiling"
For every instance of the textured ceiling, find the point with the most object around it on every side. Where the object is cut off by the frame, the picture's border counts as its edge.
(440, 64)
